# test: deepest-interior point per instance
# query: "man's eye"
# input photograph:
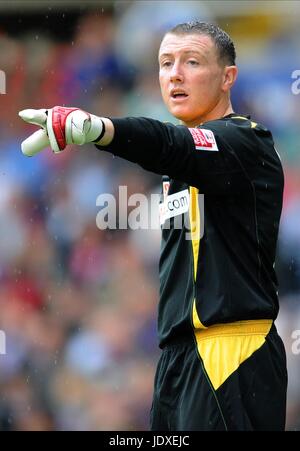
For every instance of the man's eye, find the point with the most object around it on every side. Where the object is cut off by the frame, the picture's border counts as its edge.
(166, 63)
(193, 62)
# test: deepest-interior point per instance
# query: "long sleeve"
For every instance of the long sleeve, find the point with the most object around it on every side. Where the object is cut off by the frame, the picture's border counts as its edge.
(164, 148)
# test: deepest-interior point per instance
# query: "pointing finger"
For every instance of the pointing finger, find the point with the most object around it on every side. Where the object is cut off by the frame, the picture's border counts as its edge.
(36, 117)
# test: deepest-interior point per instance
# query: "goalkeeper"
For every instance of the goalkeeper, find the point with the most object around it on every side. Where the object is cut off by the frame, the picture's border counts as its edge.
(223, 365)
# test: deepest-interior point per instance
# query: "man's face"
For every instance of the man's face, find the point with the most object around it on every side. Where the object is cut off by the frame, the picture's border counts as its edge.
(191, 77)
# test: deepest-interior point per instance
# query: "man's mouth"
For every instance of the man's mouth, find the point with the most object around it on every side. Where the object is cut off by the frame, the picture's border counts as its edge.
(178, 94)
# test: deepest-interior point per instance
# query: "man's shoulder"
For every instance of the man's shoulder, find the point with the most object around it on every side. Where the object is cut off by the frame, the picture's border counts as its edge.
(236, 122)
(240, 131)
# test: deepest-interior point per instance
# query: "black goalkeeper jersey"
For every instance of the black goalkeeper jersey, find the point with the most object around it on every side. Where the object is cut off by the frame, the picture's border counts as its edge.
(222, 200)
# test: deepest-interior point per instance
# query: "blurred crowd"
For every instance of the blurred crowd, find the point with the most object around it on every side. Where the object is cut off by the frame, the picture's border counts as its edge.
(78, 304)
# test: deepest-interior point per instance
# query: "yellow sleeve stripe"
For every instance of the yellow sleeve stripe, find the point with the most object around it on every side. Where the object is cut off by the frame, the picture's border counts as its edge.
(253, 124)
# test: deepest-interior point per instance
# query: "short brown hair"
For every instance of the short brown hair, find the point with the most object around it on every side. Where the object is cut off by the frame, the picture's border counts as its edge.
(222, 40)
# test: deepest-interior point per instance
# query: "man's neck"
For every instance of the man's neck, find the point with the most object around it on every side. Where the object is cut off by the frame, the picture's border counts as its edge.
(217, 113)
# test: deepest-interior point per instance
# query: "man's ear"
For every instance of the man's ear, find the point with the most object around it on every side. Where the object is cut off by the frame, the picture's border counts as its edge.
(230, 75)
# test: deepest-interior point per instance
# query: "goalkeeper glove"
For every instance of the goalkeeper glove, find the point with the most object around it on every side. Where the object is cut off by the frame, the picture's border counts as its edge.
(60, 126)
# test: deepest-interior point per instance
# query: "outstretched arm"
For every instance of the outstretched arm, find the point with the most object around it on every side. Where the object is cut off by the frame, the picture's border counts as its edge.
(217, 158)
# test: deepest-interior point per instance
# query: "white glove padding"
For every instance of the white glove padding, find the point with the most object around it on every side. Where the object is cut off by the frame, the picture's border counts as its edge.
(60, 126)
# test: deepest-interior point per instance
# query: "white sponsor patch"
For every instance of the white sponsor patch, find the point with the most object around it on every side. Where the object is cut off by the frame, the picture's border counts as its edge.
(204, 139)
(174, 205)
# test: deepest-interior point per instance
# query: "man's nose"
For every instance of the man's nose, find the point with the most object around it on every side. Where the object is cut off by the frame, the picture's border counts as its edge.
(176, 73)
